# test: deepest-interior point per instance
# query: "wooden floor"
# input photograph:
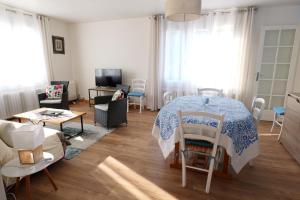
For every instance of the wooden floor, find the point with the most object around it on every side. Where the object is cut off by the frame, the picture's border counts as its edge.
(128, 164)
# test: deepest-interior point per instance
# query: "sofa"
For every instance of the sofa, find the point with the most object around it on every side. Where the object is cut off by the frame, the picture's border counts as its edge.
(54, 143)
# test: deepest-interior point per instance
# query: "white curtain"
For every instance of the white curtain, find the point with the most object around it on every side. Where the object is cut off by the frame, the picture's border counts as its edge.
(46, 37)
(210, 52)
(22, 61)
(155, 73)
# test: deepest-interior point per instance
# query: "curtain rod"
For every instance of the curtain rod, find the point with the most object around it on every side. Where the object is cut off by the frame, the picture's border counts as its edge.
(223, 11)
(15, 10)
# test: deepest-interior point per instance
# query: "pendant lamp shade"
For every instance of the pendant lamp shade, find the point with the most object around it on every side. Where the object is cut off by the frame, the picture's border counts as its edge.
(182, 10)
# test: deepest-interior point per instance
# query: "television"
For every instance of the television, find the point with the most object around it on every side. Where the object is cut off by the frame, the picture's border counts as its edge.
(108, 77)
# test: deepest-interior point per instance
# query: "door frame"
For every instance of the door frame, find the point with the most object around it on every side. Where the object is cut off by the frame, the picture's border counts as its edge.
(268, 114)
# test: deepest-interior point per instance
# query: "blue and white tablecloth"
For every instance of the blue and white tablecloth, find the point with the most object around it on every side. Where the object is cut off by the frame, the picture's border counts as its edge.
(239, 134)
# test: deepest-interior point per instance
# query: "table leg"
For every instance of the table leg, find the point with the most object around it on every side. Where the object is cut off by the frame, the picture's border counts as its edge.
(89, 97)
(28, 188)
(226, 163)
(61, 127)
(47, 173)
(81, 121)
(176, 164)
(17, 187)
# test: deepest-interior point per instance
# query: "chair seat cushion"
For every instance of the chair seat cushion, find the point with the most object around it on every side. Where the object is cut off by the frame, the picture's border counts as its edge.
(136, 94)
(103, 107)
(201, 143)
(51, 101)
(279, 110)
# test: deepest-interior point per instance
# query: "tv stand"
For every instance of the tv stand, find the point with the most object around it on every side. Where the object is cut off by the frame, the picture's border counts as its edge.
(99, 89)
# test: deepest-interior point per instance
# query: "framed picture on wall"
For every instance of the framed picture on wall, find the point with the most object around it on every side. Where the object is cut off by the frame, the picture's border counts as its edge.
(58, 44)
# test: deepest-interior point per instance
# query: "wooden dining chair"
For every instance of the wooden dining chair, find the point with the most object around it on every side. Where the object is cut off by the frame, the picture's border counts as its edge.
(168, 97)
(278, 119)
(201, 133)
(257, 108)
(210, 92)
(138, 89)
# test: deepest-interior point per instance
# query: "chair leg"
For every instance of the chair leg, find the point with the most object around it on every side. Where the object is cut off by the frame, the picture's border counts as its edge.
(278, 139)
(183, 169)
(210, 172)
(273, 122)
(141, 102)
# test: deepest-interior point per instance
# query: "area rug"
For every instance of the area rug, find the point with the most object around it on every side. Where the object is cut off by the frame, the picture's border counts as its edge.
(90, 135)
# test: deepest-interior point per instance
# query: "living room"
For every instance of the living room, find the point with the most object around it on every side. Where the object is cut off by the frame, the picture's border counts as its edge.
(105, 92)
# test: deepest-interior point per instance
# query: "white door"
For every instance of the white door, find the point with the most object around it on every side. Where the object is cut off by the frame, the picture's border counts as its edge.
(276, 66)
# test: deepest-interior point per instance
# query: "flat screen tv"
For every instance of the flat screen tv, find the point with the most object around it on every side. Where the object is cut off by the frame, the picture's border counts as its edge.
(108, 77)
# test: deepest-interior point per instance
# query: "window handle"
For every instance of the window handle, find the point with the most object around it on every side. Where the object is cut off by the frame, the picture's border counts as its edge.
(257, 76)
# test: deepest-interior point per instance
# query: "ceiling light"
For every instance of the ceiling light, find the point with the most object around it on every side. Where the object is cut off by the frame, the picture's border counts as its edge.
(182, 10)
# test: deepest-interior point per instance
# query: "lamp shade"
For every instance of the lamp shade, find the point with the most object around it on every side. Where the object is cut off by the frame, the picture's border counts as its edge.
(182, 10)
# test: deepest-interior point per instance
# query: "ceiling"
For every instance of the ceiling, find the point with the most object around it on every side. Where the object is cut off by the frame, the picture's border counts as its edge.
(97, 10)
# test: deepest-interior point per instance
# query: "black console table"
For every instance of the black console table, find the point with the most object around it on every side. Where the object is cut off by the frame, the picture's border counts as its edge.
(97, 90)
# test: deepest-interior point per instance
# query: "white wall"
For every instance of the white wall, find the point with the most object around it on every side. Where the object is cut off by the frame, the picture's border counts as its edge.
(280, 15)
(61, 63)
(125, 44)
(110, 44)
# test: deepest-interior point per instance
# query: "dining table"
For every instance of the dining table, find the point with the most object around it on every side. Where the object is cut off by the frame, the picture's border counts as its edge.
(239, 136)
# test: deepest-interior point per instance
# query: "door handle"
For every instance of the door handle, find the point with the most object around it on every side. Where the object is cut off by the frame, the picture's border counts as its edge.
(257, 76)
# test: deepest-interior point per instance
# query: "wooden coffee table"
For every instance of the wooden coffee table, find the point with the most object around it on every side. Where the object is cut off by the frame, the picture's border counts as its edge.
(36, 117)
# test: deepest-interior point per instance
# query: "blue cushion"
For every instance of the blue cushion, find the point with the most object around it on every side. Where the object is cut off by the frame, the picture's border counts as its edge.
(136, 94)
(279, 110)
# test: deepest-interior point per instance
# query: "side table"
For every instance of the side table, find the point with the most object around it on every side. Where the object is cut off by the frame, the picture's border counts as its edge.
(14, 169)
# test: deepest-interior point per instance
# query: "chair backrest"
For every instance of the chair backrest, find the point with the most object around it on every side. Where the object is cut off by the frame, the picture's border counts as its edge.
(168, 97)
(138, 85)
(65, 83)
(210, 92)
(124, 88)
(257, 108)
(204, 132)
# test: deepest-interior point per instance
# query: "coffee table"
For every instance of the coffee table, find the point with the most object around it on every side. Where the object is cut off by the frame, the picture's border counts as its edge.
(14, 169)
(36, 117)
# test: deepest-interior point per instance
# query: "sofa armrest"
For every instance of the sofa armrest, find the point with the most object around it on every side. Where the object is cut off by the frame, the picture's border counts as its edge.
(42, 96)
(117, 108)
(102, 99)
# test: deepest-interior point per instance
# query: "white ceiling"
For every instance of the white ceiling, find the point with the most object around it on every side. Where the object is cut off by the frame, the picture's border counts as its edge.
(96, 10)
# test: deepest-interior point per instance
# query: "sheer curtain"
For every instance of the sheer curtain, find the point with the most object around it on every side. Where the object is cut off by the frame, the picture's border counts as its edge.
(22, 61)
(210, 52)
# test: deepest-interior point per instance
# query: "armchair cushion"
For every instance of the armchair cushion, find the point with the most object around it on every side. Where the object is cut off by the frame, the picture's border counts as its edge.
(7, 153)
(119, 94)
(51, 101)
(54, 91)
(5, 129)
(103, 107)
